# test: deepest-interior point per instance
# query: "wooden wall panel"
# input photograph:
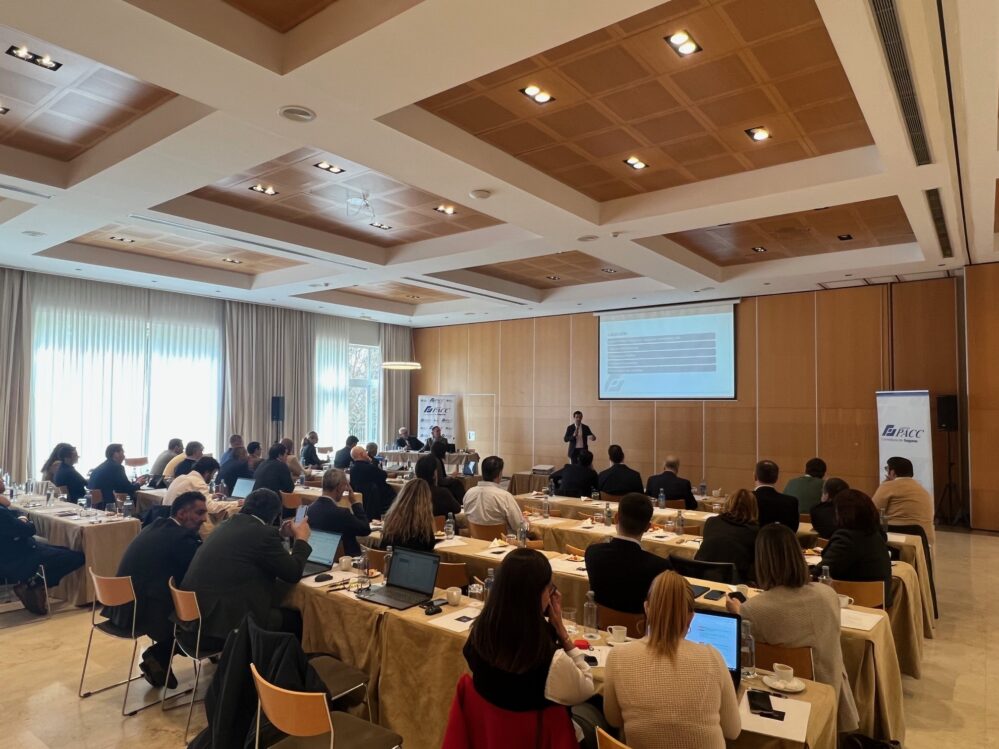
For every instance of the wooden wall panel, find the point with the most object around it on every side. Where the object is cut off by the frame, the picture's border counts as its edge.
(679, 430)
(981, 293)
(516, 394)
(425, 381)
(454, 360)
(484, 357)
(481, 416)
(632, 426)
(583, 387)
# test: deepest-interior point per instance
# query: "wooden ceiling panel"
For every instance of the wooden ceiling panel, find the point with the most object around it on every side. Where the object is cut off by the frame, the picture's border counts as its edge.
(622, 91)
(870, 223)
(570, 268)
(281, 16)
(62, 113)
(328, 202)
(391, 291)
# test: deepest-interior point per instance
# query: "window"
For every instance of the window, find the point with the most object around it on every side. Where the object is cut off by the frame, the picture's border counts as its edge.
(364, 394)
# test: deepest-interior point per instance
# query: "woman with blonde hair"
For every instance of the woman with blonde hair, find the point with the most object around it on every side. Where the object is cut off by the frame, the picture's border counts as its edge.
(668, 692)
(731, 536)
(410, 520)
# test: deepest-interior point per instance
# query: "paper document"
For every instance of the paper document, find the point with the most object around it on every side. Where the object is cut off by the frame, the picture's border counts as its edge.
(457, 621)
(858, 619)
(449, 543)
(794, 727)
(498, 552)
(897, 538)
(569, 568)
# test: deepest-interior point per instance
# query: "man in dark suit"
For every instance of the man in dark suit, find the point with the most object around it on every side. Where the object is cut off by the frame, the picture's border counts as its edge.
(274, 473)
(193, 452)
(327, 514)
(341, 458)
(366, 477)
(576, 479)
(235, 440)
(163, 550)
(672, 486)
(618, 479)
(824, 513)
(237, 569)
(620, 570)
(109, 477)
(773, 506)
(407, 442)
(578, 435)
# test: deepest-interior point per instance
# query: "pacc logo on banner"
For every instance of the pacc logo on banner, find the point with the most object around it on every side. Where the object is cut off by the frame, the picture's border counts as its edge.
(437, 410)
(904, 431)
(902, 434)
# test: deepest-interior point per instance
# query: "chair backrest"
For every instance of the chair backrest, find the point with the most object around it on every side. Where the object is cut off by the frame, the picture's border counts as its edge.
(439, 521)
(97, 496)
(136, 462)
(376, 559)
(675, 504)
(606, 741)
(294, 713)
(869, 594)
(607, 617)
(693, 530)
(569, 549)
(452, 575)
(820, 543)
(112, 591)
(800, 659)
(486, 532)
(291, 500)
(608, 497)
(804, 518)
(63, 489)
(185, 603)
(717, 572)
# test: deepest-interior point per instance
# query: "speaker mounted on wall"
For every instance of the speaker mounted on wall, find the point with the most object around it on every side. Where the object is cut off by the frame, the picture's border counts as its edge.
(277, 408)
(947, 413)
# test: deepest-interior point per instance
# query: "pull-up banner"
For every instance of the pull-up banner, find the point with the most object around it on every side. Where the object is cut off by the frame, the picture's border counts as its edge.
(438, 410)
(904, 431)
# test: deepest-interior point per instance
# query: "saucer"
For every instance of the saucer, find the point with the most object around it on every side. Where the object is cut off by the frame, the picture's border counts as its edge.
(796, 685)
(612, 643)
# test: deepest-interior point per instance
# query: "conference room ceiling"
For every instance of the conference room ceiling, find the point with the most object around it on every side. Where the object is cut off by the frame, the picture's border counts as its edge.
(448, 190)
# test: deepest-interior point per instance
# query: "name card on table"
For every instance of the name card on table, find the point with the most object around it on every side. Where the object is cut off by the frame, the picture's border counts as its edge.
(897, 538)
(794, 727)
(449, 543)
(858, 620)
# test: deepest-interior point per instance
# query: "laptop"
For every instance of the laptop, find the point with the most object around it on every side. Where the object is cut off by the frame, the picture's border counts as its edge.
(411, 579)
(723, 631)
(324, 546)
(242, 488)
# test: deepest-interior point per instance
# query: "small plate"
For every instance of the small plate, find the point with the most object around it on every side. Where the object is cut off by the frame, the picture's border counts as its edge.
(796, 685)
(610, 642)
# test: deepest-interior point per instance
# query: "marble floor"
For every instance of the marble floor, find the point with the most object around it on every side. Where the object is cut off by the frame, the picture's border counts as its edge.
(956, 703)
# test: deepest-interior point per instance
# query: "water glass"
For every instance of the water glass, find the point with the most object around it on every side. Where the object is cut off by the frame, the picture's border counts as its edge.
(569, 620)
(511, 539)
(476, 593)
(598, 518)
(670, 525)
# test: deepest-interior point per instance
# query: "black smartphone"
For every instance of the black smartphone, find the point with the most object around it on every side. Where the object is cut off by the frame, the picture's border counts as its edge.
(591, 660)
(714, 595)
(738, 596)
(759, 702)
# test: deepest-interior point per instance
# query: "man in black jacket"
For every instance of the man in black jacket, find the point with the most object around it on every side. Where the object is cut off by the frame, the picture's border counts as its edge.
(274, 473)
(109, 477)
(366, 477)
(824, 513)
(326, 514)
(238, 567)
(773, 506)
(619, 479)
(670, 483)
(193, 452)
(407, 442)
(576, 479)
(341, 458)
(620, 570)
(163, 550)
(578, 435)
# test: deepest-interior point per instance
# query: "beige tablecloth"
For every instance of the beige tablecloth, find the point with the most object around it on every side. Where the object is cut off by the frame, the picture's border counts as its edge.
(524, 482)
(906, 617)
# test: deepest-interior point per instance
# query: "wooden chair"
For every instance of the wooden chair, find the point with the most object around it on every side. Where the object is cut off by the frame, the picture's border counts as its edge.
(804, 518)
(96, 498)
(452, 575)
(439, 521)
(606, 741)
(673, 504)
(291, 500)
(693, 530)
(376, 560)
(606, 497)
(607, 617)
(306, 714)
(717, 572)
(569, 549)
(800, 659)
(487, 532)
(112, 591)
(869, 594)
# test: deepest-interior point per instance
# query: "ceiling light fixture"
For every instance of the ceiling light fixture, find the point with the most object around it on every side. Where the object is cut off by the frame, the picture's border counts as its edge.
(297, 113)
(124, 240)
(232, 260)
(534, 92)
(758, 133)
(3, 109)
(609, 270)
(401, 365)
(380, 225)
(844, 237)
(265, 190)
(682, 44)
(635, 163)
(42, 61)
(447, 210)
(413, 296)
(554, 278)
(759, 249)
(328, 167)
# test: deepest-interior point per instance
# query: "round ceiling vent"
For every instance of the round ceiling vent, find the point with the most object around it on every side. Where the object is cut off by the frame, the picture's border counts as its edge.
(297, 113)
(587, 238)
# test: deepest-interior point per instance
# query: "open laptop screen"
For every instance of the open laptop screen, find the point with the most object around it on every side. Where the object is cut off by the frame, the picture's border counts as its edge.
(242, 488)
(324, 546)
(414, 570)
(722, 631)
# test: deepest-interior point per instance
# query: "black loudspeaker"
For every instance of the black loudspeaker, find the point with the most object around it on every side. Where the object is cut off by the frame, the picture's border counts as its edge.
(947, 413)
(277, 408)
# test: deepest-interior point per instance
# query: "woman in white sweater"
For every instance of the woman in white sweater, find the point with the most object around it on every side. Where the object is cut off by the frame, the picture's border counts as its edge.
(668, 692)
(796, 613)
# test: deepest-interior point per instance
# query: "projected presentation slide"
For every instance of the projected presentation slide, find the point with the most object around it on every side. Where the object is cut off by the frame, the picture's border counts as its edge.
(668, 353)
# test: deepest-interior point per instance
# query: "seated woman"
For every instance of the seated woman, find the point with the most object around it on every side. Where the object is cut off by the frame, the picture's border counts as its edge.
(67, 475)
(797, 614)
(858, 548)
(453, 485)
(308, 454)
(731, 536)
(668, 692)
(51, 465)
(327, 514)
(410, 520)
(518, 651)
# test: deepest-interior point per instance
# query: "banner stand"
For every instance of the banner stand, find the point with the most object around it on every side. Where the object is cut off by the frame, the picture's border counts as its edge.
(437, 410)
(904, 431)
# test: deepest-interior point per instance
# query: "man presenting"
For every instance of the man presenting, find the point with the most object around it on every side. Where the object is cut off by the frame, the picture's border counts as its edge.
(578, 435)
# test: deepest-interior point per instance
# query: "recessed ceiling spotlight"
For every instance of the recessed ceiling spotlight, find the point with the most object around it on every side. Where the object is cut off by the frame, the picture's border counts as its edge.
(554, 278)
(534, 92)
(380, 225)
(758, 133)
(447, 210)
(232, 260)
(124, 240)
(328, 167)
(264, 189)
(413, 296)
(844, 237)
(297, 113)
(3, 109)
(682, 44)
(759, 249)
(42, 61)
(608, 270)
(635, 163)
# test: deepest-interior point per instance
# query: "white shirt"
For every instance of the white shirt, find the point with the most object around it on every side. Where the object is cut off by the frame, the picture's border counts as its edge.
(487, 504)
(189, 482)
(569, 679)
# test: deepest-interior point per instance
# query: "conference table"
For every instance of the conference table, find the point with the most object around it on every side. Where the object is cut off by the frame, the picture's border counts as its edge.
(102, 537)
(409, 457)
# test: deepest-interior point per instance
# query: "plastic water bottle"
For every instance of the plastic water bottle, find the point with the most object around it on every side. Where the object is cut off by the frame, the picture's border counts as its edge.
(607, 514)
(29, 488)
(522, 534)
(301, 480)
(487, 586)
(679, 522)
(48, 497)
(702, 488)
(363, 566)
(590, 617)
(546, 507)
(127, 508)
(223, 489)
(449, 526)
(825, 578)
(884, 519)
(83, 502)
(551, 487)
(747, 651)
(662, 499)
(211, 486)
(388, 560)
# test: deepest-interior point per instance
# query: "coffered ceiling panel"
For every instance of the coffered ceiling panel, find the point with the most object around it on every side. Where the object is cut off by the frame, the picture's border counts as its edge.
(62, 112)
(622, 91)
(570, 268)
(167, 246)
(391, 291)
(281, 15)
(345, 203)
(871, 223)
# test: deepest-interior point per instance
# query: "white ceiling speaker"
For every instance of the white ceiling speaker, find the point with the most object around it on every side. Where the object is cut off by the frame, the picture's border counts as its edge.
(297, 113)
(480, 194)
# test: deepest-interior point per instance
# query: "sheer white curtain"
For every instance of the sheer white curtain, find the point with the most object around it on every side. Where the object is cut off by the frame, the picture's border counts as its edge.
(332, 380)
(396, 345)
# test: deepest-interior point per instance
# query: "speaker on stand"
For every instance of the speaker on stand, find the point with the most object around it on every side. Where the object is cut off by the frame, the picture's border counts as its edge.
(950, 508)
(277, 415)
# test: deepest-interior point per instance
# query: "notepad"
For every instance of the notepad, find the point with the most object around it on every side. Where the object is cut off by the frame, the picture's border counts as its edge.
(449, 543)
(457, 621)
(569, 568)
(858, 620)
(794, 727)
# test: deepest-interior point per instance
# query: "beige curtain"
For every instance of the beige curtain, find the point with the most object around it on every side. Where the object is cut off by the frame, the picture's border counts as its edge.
(396, 345)
(269, 352)
(15, 342)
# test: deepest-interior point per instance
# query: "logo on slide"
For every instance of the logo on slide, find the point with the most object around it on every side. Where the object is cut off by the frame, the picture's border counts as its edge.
(894, 433)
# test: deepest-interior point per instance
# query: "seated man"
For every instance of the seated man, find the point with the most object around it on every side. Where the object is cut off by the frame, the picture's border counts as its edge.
(197, 481)
(435, 438)
(235, 440)
(236, 468)
(328, 513)
(443, 500)
(903, 499)
(405, 442)
(488, 504)
(67, 475)
(163, 549)
(174, 448)
(238, 567)
(577, 479)
(182, 464)
(671, 485)
(255, 453)
(371, 481)
(273, 473)
(620, 570)
(824, 513)
(807, 489)
(341, 458)
(619, 479)
(109, 477)
(772, 506)
(21, 556)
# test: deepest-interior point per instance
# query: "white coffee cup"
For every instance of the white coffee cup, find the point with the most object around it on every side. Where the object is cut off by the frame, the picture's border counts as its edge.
(453, 596)
(784, 674)
(618, 633)
(845, 601)
(346, 563)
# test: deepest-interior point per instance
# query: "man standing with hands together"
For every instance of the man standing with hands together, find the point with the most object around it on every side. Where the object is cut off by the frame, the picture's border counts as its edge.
(578, 435)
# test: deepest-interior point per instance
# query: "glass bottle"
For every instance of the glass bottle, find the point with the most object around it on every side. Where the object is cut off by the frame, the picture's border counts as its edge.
(487, 586)
(590, 617)
(388, 561)
(449, 526)
(662, 499)
(747, 654)
(825, 578)
(607, 514)
(679, 522)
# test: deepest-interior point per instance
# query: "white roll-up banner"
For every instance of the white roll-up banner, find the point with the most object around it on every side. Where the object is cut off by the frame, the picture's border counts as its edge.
(905, 431)
(438, 410)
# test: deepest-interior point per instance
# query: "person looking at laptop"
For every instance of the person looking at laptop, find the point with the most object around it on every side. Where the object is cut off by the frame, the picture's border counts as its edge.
(328, 513)
(688, 683)
(409, 523)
